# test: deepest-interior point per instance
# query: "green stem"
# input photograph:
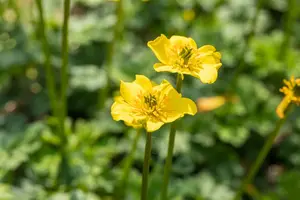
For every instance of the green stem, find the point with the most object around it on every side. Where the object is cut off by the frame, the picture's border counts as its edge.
(249, 36)
(64, 66)
(121, 188)
(147, 157)
(287, 29)
(103, 92)
(64, 173)
(48, 67)
(168, 164)
(261, 157)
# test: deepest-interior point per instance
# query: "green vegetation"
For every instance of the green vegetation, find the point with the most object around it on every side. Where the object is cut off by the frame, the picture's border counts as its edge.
(59, 73)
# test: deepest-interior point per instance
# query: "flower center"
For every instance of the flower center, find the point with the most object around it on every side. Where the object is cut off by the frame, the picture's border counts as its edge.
(150, 100)
(185, 54)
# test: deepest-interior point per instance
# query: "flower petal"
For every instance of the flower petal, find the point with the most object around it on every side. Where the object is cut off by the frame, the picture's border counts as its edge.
(207, 48)
(130, 91)
(178, 108)
(181, 42)
(281, 108)
(211, 61)
(134, 124)
(159, 46)
(143, 81)
(188, 106)
(206, 104)
(217, 55)
(175, 106)
(208, 74)
(152, 125)
(159, 67)
(122, 111)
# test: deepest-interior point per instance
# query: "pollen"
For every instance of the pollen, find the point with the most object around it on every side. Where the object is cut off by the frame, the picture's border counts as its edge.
(150, 101)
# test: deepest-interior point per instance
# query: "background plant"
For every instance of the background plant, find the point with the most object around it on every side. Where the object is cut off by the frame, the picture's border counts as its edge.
(214, 149)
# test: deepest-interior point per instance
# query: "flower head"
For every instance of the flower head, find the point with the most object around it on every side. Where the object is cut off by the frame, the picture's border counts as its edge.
(292, 95)
(180, 55)
(145, 104)
(207, 104)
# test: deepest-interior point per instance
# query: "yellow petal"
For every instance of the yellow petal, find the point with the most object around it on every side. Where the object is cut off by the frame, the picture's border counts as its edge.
(211, 61)
(134, 124)
(159, 46)
(130, 91)
(188, 106)
(159, 67)
(152, 125)
(164, 87)
(119, 99)
(181, 42)
(213, 58)
(143, 81)
(208, 75)
(176, 102)
(153, 84)
(206, 104)
(207, 48)
(122, 111)
(281, 108)
(175, 105)
(217, 55)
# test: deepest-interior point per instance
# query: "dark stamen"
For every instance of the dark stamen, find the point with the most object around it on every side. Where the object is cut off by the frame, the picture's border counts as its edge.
(186, 53)
(150, 100)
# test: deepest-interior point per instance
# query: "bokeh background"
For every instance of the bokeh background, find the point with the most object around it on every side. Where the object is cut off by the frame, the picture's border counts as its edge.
(259, 42)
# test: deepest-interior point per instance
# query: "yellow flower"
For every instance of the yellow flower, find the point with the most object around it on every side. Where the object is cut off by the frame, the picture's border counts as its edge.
(188, 15)
(292, 95)
(180, 55)
(145, 104)
(206, 104)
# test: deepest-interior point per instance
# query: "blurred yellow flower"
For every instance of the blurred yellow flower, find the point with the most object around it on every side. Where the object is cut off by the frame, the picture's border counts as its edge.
(180, 55)
(145, 104)
(292, 95)
(206, 104)
(188, 15)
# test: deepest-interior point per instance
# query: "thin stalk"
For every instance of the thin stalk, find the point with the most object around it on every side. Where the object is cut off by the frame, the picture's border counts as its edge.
(121, 188)
(47, 56)
(147, 157)
(64, 173)
(103, 92)
(168, 164)
(289, 21)
(261, 157)
(64, 66)
(248, 37)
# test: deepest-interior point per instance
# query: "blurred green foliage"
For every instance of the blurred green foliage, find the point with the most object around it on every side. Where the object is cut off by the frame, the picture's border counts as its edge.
(213, 150)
